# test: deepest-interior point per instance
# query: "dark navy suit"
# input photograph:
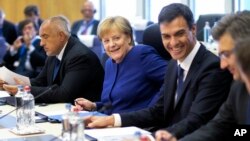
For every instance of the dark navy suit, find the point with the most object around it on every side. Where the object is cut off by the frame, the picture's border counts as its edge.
(232, 113)
(80, 75)
(204, 90)
(76, 26)
(37, 59)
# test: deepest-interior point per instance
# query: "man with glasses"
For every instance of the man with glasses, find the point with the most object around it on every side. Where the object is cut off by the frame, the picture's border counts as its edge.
(88, 25)
(234, 111)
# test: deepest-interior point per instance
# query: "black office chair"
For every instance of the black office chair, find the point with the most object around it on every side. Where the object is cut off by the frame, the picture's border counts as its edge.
(152, 37)
(211, 18)
(138, 33)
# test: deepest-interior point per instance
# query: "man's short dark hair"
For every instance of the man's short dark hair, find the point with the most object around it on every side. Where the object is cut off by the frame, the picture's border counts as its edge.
(23, 23)
(172, 11)
(31, 9)
(237, 25)
(242, 52)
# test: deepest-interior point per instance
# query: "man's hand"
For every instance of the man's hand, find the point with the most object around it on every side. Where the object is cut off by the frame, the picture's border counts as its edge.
(1, 83)
(19, 81)
(12, 89)
(162, 135)
(18, 43)
(83, 104)
(27, 37)
(99, 121)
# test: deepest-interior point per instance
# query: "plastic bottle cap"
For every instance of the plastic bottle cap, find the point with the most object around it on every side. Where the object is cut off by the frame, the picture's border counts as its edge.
(27, 88)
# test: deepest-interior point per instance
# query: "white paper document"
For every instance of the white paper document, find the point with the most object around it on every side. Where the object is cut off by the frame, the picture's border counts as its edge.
(4, 94)
(8, 76)
(115, 134)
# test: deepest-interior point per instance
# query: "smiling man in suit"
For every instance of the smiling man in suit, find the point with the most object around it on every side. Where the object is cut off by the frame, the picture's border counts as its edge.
(230, 32)
(71, 66)
(192, 99)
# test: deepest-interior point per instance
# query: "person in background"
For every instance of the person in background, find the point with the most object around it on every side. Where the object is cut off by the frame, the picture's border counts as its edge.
(87, 25)
(234, 111)
(7, 29)
(32, 12)
(73, 69)
(194, 86)
(133, 73)
(25, 56)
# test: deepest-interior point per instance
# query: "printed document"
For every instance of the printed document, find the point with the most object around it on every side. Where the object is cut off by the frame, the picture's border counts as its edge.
(8, 76)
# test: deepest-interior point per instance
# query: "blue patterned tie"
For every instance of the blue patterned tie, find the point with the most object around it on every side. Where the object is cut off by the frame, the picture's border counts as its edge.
(180, 81)
(56, 68)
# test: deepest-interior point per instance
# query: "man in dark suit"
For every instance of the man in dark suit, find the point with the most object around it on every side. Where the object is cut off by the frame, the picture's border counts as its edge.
(26, 56)
(234, 111)
(88, 25)
(71, 66)
(205, 87)
(7, 29)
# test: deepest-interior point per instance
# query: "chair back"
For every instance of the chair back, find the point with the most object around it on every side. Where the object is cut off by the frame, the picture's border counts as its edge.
(93, 43)
(139, 28)
(152, 37)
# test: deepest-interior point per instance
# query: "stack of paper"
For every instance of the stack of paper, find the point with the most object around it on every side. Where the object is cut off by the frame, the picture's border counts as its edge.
(8, 76)
(115, 134)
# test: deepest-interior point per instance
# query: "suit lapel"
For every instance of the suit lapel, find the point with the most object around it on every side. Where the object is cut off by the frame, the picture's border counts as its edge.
(170, 86)
(192, 71)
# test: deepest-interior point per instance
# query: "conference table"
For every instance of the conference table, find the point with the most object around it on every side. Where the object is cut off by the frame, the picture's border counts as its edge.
(52, 130)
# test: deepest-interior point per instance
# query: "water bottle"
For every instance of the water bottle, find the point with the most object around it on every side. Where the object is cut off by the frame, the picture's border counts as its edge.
(72, 126)
(28, 108)
(206, 32)
(19, 107)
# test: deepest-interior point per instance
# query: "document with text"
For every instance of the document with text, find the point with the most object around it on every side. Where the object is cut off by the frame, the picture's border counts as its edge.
(8, 76)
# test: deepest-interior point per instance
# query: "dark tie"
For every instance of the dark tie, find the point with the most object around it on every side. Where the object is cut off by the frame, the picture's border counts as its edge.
(56, 68)
(180, 81)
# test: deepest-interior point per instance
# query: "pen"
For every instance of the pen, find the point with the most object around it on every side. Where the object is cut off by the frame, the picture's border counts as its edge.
(76, 101)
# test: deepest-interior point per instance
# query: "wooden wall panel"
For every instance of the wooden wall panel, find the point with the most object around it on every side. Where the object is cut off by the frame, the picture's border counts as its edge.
(69, 8)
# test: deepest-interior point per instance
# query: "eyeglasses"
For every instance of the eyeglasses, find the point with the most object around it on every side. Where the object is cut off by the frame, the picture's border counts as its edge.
(225, 54)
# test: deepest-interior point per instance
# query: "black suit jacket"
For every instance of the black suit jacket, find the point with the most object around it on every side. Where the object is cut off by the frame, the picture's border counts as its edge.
(37, 60)
(233, 112)
(205, 88)
(76, 26)
(80, 75)
(9, 32)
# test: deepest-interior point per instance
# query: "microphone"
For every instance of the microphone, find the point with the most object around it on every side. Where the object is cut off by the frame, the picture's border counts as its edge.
(43, 93)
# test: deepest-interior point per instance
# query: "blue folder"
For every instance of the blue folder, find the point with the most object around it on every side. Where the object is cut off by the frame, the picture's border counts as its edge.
(58, 118)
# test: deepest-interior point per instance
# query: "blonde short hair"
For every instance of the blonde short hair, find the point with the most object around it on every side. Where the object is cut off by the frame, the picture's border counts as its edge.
(115, 23)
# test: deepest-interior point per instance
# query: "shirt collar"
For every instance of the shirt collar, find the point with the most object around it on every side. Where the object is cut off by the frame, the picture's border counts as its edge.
(61, 52)
(186, 63)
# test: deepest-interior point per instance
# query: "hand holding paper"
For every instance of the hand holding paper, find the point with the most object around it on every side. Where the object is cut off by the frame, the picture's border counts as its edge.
(12, 78)
(12, 89)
